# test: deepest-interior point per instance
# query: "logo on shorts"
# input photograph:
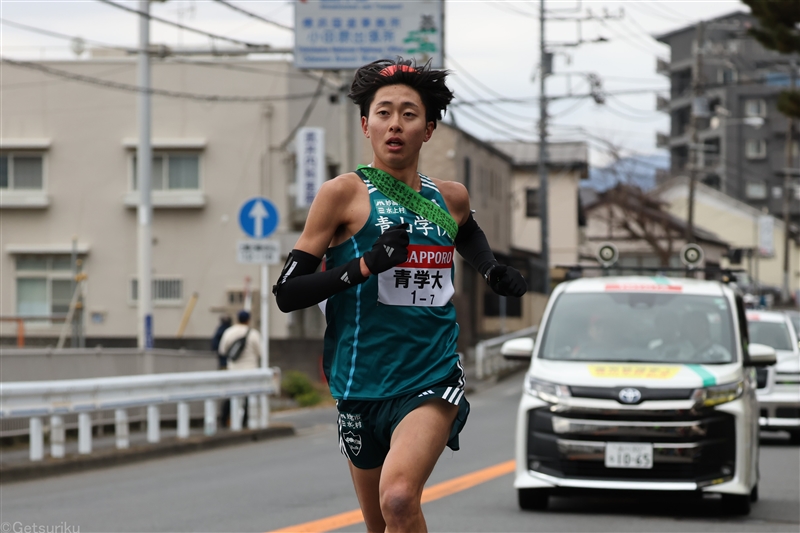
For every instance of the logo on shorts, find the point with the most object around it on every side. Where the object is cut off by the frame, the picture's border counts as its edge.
(353, 442)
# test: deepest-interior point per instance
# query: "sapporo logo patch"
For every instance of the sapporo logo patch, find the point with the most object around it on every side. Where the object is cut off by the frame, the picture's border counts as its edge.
(353, 442)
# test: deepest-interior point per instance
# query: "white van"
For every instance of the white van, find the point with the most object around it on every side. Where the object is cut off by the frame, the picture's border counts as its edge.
(640, 383)
(778, 386)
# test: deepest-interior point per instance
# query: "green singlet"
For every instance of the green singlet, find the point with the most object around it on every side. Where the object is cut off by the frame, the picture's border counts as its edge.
(395, 333)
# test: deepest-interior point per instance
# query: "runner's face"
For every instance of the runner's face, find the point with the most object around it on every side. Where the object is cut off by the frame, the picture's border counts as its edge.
(396, 126)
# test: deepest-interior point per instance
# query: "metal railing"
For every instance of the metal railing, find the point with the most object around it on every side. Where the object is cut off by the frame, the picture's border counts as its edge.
(489, 362)
(55, 399)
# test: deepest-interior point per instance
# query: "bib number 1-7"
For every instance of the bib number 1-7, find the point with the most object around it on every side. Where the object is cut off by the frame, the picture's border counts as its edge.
(424, 280)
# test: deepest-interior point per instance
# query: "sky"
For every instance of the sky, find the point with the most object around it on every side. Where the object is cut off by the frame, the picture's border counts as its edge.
(491, 47)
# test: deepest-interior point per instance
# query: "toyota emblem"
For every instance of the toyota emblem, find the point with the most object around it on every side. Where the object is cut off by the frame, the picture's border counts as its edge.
(630, 395)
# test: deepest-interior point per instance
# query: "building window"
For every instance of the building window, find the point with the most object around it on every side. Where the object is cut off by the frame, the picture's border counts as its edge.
(532, 203)
(755, 107)
(727, 76)
(172, 171)
(467, 173)
(21, 171)
(164, 290)
(755, 190)
(755, 149)
(44, 285)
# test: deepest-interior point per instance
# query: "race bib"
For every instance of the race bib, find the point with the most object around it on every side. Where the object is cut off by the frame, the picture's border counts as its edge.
(424, 280)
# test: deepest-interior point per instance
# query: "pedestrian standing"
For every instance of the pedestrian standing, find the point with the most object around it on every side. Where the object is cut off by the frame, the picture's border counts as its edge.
(248, 358)
(224, 323)
(388, 234)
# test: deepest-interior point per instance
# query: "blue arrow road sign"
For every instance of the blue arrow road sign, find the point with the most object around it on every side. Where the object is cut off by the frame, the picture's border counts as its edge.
(258, 217)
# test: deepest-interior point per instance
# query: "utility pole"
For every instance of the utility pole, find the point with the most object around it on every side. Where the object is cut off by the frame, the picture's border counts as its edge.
(144, 158)
(543, 156)
(698, 107)
(786, 189)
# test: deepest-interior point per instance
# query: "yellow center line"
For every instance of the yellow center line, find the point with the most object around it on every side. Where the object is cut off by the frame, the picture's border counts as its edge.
(440, 490)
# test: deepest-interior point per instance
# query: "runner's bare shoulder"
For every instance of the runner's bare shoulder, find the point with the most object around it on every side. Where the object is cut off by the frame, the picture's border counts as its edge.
(336, 195)
(457, 198)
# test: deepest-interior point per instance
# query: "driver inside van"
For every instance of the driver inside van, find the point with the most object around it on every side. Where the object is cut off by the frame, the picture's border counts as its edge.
(669, 344)
(696, 329)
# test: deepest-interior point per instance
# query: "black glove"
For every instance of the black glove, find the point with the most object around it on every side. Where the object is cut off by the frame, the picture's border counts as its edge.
(389, 250)
(506, 281)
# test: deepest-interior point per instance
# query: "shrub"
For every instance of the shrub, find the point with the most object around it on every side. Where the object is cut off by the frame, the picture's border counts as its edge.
(307, 399)
(296, 384)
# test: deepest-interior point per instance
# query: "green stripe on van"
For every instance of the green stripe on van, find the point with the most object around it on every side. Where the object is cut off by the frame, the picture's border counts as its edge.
(707, 377)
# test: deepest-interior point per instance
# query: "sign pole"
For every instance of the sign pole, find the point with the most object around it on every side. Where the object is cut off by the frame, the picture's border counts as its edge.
(264, 407)
(264, 317)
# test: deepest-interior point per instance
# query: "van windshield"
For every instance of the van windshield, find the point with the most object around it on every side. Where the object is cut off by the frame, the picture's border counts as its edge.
(774, 334)
(639, 327)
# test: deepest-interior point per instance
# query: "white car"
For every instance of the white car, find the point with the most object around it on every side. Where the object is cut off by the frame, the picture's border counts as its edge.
(639, 383)
(779, 386)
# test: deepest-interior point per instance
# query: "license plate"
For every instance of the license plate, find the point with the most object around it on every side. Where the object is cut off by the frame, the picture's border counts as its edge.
(629, 455)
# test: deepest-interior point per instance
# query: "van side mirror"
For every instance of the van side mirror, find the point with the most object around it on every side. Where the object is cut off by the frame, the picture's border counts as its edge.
(518, 349)
(761, 355)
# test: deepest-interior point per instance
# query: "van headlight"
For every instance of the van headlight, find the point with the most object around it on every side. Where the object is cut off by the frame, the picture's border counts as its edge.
(549, 392)
(719, 394)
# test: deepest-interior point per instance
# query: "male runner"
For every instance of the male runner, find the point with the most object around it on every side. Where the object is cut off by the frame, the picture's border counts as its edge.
(390, 344)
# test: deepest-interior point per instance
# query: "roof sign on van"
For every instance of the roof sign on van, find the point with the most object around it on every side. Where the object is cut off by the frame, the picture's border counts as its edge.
(645, 287)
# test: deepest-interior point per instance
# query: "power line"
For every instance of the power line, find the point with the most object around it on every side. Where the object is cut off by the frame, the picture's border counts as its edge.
(58, 35)
(100, 44)
(570, 109)
(495, 108)
(462, 70)
(158, 92)
(638, 44)
(306, 114)
(508, 8)
(631, 117)
(634, 109)
(254, 15)
(494, 128)
(609, 146)
(665, 12)
(650, 38)
(533, 99)
(184, 27)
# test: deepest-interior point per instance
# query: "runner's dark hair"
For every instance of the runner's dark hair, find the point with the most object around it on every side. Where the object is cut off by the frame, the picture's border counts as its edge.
(427, 81)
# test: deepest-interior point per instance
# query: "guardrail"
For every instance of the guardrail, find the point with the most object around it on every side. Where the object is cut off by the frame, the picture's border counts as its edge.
(489, 362)
(37, 399)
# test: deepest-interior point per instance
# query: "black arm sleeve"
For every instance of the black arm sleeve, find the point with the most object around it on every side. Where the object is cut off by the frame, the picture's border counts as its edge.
(471, 243)
(300, 286)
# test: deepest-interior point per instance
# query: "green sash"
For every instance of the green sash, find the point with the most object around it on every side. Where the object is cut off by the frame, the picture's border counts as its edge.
(404, 195)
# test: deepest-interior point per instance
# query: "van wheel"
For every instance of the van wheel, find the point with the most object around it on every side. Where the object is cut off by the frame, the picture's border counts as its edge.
(754, 494)
(737, 504)
(533, 499)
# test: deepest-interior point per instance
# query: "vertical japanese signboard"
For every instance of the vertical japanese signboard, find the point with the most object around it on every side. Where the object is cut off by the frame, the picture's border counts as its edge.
(310, 143)
(346, 34)
(766, 241)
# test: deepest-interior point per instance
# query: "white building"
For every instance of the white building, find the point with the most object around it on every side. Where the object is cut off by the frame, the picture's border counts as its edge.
(67, 171)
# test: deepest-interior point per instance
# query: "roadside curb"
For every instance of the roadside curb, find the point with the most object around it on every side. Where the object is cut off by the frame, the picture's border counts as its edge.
(114, 457)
